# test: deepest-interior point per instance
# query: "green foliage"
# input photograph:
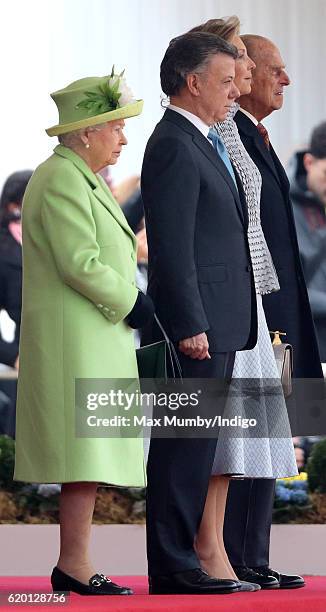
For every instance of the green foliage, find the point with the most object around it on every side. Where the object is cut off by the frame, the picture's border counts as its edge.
(291, 514)
(7, 464)
(30, 503)
(316, 467)
(105, 99)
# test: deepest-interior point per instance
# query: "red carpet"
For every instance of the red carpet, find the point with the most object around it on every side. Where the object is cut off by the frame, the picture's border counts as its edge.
(311, 598)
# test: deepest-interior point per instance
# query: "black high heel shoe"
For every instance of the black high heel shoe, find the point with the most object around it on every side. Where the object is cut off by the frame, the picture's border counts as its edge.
(98, 585)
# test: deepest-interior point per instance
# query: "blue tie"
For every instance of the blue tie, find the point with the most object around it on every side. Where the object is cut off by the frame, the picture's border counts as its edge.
(219, 147)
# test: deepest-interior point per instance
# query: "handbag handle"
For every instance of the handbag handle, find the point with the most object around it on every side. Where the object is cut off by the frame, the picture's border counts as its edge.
(277, 340)
(171, 349)
(170, 346)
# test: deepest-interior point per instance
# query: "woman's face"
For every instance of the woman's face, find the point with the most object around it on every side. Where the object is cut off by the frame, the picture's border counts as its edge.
(106, 144)
(243, 67)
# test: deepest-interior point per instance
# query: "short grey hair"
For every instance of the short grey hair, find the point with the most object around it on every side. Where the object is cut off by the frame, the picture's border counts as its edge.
(71, 139)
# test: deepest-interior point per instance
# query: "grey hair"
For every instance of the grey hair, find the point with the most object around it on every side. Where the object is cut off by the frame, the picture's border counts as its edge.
(71, 139)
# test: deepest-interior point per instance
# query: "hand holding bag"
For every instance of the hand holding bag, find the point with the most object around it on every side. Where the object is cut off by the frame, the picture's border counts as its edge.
(160, 359)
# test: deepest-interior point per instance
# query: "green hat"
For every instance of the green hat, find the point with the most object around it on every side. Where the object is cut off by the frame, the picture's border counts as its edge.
(93, 100)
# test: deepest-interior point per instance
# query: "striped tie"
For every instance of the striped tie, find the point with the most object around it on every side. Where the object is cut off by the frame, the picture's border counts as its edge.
(263, 132)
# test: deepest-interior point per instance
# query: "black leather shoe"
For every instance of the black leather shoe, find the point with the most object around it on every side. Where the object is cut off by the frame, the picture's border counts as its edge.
(286, 581)
(98, 585)
(248, 587)
(249, 575)
(191, 582)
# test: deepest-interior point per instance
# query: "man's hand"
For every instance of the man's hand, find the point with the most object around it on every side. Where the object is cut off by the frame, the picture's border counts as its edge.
(195, 347)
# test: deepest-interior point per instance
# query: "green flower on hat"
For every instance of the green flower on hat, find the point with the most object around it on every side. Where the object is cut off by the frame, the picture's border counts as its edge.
(108, 96)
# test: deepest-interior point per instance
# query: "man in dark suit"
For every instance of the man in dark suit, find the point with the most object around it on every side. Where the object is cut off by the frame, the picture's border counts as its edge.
(250, 502)
(201, 282)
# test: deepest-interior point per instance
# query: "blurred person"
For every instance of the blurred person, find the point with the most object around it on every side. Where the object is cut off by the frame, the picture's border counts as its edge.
(123, 190)
(128, 195)
(250, 502)
(133, 208)
(307, 174)
(201, 283)
(11, 288)
(80, 304)
(233, 455)
(11, 258)
(300, 457)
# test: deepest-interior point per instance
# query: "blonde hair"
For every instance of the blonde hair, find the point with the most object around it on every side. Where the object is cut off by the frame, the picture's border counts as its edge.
(226, 28)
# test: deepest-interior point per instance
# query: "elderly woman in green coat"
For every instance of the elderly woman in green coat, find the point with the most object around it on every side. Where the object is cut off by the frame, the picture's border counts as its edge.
(80, 304)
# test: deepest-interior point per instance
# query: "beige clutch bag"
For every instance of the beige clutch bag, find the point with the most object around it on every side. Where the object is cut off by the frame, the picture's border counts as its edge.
(284, 359)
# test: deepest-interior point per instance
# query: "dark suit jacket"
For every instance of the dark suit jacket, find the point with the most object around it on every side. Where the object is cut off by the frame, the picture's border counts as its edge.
(287, 310)
(10, 291)
(200, 276)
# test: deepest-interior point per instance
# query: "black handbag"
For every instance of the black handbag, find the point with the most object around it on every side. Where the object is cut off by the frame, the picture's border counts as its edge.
(159, 359)
(283, 353)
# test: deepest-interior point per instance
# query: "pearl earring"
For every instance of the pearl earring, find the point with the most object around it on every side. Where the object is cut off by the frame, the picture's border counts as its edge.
(87, 145)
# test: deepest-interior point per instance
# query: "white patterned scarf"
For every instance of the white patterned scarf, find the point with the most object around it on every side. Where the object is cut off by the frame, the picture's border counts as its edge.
(265, 276)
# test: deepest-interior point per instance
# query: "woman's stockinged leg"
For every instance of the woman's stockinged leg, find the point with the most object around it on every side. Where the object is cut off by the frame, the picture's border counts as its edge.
(77, 502)
(209, 543)
(221, 499)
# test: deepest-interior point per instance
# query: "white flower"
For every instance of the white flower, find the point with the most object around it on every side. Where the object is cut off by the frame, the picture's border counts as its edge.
(127, 96)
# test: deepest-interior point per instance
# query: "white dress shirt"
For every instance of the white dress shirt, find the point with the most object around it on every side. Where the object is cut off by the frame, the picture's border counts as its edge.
(251, 117)
(196, 121)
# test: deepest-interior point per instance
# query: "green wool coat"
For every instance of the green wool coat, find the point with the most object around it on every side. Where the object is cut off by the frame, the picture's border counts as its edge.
(79, 263)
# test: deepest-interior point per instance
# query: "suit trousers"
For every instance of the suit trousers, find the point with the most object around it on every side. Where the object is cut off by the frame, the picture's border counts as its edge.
(178, 472)
(248, 520)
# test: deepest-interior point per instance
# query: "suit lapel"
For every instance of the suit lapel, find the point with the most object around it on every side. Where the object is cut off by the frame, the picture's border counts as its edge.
(206, 148)
(247, 127)
(280, 171)
(99, 187)
(242, 197)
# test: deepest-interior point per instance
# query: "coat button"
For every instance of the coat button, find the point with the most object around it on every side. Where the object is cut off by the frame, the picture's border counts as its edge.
(100, 305)
(248, 268)
(113, 313)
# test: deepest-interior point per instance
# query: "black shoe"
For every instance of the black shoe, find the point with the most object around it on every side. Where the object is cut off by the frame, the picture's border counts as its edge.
(192, 582)
(98, 585)
(249, 575)
(248, 587)
(286, 581)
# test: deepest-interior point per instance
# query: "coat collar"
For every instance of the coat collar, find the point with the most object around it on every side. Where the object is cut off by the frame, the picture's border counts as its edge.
(206, 148)
(99, 187)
